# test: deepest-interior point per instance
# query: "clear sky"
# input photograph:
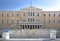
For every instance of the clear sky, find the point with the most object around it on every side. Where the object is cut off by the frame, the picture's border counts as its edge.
(18, 4)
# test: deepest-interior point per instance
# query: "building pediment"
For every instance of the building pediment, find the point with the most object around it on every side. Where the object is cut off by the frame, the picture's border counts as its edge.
(31, 8)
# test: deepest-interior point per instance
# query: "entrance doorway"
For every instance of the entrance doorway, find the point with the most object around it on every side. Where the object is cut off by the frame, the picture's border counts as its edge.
(31, 26)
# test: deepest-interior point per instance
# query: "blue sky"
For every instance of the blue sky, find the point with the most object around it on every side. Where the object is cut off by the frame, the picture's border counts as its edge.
(18, 4)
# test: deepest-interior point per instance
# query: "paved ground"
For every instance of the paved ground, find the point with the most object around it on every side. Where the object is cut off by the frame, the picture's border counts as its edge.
(26, 40)
(30, 40)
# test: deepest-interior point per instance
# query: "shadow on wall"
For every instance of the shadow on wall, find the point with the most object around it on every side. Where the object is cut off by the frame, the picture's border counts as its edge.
(58, 33)
(1, 34)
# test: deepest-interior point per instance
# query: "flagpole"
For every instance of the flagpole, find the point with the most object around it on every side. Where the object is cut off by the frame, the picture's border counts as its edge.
(31, 3)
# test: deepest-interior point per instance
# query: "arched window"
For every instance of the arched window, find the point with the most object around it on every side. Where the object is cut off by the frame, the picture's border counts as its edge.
(12, 15)
(49, 15)
(54, 15)
(2, 14)
(37, 14)
(2, 21)
(17, 14)
(7, 15)
(12, 21)
(44, 15)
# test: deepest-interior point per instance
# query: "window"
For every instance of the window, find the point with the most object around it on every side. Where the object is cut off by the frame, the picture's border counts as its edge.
(7, 15)
(39, 26)
(12, 15)
(31, 13)
(31, 20)
(31, 27)
(2, 21)
(58, 21)
(17, 21)
(3, 27)
(35, 26)
(44, 15)
(23, 26)
(49, 21)
(59, 14)
(7, 21)
(24, 14)
(12, 21)
(2, 14)
(49, 15)
(28, 27)
(17, 14)
(54, 15)
(7, 27)
(54, 21)
(37, 14)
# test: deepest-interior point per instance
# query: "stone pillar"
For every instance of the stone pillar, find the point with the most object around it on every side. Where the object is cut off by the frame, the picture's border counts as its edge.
(24, 26)
(34, 26)
(31, 27)
(27, 26)
(37, 26)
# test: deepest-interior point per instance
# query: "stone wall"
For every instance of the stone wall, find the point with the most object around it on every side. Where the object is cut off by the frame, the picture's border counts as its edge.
(30, 33)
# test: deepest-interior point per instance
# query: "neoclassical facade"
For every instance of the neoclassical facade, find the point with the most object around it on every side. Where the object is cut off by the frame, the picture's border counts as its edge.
(30, 18)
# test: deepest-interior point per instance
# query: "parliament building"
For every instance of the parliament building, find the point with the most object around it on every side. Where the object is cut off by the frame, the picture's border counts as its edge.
(30, 18)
